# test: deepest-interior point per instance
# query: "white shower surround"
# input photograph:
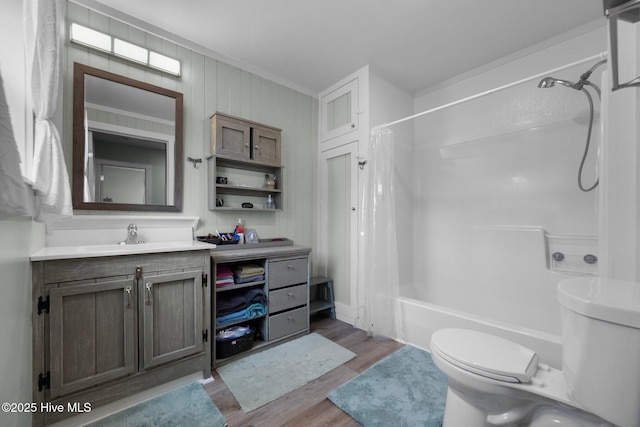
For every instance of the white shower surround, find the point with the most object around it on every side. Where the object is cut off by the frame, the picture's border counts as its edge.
(489, 181)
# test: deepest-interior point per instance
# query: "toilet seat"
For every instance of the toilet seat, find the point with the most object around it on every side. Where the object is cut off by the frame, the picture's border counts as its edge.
(485, 355)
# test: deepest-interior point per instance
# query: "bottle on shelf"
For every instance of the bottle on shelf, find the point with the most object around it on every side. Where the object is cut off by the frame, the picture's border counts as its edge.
(269, 204)
(240, 231)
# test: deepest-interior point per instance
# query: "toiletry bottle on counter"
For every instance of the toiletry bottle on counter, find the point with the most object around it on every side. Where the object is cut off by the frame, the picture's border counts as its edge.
(240, 231)
(269, 204)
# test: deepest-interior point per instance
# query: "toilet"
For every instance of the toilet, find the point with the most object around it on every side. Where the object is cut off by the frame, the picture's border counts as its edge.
(496, 382)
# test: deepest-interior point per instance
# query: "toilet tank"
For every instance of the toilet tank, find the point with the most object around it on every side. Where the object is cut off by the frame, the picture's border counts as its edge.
(601, 346)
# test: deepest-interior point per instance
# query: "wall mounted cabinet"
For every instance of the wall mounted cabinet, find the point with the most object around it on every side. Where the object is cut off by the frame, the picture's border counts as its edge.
(108, 327)
(243, 154)
(339, 112)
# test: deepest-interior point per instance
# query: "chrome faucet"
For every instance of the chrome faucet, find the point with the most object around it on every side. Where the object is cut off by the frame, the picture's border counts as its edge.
(132, 236)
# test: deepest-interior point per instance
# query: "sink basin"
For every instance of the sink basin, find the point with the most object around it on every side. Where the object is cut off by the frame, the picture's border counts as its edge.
(86, 251)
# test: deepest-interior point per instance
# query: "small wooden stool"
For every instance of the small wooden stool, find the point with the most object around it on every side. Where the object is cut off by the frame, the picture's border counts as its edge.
(322, 298)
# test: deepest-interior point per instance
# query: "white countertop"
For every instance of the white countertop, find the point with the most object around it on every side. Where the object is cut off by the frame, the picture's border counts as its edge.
(92, 236)
(92, 251)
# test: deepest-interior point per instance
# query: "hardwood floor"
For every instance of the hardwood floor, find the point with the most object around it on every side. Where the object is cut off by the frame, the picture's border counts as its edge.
(308, 405)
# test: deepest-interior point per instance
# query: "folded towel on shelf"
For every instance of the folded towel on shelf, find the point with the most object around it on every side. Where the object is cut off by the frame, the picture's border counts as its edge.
(249, 279)
(251, 312)
(234, 301)
(224, 271)
(231, 302)
(224, 282)
(255, 295)
(256, 310)
(231, 317)
(247, 270)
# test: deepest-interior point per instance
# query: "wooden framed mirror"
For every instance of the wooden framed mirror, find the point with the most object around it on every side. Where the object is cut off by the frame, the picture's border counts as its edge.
(127, 143)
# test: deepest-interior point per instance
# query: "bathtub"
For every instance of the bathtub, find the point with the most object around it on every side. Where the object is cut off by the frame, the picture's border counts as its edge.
(421, 319)
(508, 289)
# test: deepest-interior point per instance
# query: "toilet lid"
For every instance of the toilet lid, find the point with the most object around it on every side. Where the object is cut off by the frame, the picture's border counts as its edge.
(485, 354)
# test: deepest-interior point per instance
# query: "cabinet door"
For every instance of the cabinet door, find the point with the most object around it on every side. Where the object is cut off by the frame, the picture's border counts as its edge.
(266, 146)
(171, 317)
(91, 335)
(339, 111)
(230, 138)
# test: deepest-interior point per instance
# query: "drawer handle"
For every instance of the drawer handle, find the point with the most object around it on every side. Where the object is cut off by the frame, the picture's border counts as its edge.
(290, 294)
(148, 286)
(128, 291)
(290, 267)
(290, 318)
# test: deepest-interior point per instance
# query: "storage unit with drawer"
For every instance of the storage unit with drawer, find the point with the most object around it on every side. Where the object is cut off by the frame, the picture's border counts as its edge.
(286, 284)
(288, 296)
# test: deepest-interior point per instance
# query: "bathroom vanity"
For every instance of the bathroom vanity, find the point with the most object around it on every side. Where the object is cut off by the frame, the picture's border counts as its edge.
(110, 321)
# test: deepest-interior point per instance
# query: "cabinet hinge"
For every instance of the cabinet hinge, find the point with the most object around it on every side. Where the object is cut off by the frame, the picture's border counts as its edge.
(44, 380)
(204, 280)
(205, 335)
(43, 304)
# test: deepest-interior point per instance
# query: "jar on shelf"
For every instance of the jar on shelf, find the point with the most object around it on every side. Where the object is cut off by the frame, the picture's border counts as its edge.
(270, 181)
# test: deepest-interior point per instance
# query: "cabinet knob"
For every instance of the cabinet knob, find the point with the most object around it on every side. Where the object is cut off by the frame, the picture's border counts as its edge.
(256, 148)
(246, 145)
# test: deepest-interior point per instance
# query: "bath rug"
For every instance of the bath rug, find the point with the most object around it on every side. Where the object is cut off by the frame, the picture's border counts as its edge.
(187, 406)
(263, 377)
(403, 389)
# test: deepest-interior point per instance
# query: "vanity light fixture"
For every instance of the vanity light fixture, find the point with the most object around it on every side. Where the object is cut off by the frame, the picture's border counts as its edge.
(130, 51)
(90, 38)
(123, 49)
(164, 63)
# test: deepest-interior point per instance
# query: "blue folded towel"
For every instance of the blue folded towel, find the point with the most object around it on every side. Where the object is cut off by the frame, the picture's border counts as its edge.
(251, 312)
(256, 310)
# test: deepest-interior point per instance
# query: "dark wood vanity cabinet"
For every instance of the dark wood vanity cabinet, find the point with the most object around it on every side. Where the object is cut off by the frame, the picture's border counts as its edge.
(108, 327)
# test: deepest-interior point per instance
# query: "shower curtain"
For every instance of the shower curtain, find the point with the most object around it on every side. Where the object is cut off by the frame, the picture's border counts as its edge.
(378, 286)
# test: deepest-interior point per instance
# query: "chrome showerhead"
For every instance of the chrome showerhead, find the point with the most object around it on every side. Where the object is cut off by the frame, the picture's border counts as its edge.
(551, 82)
(547, 82)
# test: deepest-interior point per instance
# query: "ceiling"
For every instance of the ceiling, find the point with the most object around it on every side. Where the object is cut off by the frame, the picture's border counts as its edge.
(311, 44)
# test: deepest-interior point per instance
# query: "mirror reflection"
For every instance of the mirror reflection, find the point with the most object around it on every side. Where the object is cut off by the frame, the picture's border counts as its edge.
(127, 143)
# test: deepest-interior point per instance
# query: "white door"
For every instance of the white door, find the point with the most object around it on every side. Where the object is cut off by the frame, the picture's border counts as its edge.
(338, 225)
